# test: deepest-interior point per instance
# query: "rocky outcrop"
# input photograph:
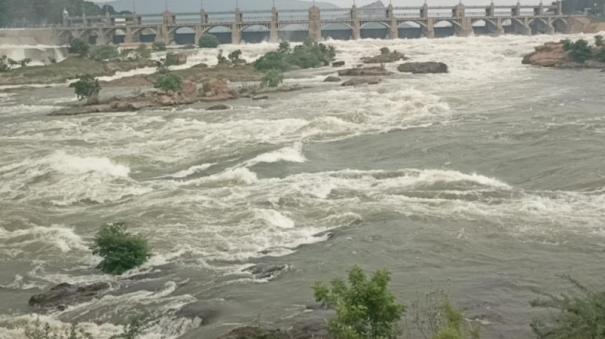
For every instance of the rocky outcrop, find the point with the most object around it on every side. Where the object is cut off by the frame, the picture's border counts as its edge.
(423, 67)
(332, 79)
(386, 56)
(63, 295)
(217, 90)
(551, 54)
(310, 325)
(338, 63)
(364, 71)
(266, 271)
(362, 81)
(218, 107)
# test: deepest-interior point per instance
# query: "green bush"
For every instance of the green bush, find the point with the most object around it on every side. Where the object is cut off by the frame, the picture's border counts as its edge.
(364, 308)
(598, 41)
(158, 46)
(208, 41)
(87, 88)
(234, 57)
(169, 82)
(308, 55)
(579, 51)
(105, 52)
(79, 47)
(272, 78)
(4, 66)
(172, 59)
(577, 316)
(120, 250)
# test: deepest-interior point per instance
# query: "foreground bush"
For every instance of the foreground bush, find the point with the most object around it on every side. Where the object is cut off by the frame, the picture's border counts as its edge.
(208, 41)
(577, 316)
(308, 55)
(364, 308)
(272, 78)
(169, 82)
(87, 88)
(106, 52)
(120, 250)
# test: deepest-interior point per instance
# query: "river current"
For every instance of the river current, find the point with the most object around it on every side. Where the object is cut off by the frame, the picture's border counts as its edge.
(486, 182)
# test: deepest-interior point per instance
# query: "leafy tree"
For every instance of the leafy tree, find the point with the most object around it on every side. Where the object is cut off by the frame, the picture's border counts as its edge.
(577, 316)
(169, 82)
(208, 41)
(272, 78)
(79, 47)
(364, 308)
(120, 250)
(106, 52)
(234, 56)
(87, 87)
(579, 51)
(308, 55)
(598, 41)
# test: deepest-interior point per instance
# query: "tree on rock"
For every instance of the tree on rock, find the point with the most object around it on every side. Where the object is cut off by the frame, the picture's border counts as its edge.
(79, 47)
(272, 78)
(87, 88)
(169, 83)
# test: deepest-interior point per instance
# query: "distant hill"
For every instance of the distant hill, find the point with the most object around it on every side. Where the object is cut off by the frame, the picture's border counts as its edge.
(157, 6)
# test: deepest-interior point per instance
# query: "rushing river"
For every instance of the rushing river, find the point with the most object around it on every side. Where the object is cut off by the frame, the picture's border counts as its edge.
(486, 182)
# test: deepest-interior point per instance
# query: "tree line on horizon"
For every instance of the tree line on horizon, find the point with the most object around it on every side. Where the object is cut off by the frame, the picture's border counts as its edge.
(45, 12)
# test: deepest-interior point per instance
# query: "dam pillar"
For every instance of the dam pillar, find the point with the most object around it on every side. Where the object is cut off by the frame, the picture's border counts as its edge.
(490, 11)
(236, 28)
(464, 26)
(539, 11)
(199, 33)
(393, 26)
(558, 7)
(129, 38)
(496, 27)
(550, 28)
(315, 23)
(516, 11)
(274, 37)
(356, 23)
(166, 32)
(429, 29)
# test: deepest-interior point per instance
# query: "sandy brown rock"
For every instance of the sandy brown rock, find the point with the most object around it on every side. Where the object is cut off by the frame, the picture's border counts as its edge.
(362, 81)
(423, 67)
(364, 71)
(551, 54)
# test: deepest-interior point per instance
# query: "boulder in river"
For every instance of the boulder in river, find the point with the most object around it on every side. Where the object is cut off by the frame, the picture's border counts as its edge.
(423, 67)
(66, 294)
(250, 332)
(332, 78)
(362, 81)
(338, 63)
(218, 107)
(364, 71)
(266, 270)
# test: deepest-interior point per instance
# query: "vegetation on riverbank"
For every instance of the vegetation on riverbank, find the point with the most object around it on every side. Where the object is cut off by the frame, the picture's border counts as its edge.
(581, 50)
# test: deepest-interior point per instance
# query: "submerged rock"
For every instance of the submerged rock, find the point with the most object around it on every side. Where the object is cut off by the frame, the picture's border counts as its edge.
(338, 63)
(260, 97)
(199, 310)
(386, 56)
(66, 294)
(218, 107)
(364, 71)
(423, 67)
(362, 81)
(266, 271)
(332, 79)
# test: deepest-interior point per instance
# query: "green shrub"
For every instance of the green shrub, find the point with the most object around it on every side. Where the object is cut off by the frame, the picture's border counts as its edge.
(598, 41)
(4, 66)
(172, 59)
(106, 52)
(120, 250)
(169, 82)
(577, 316)
(234, 57)
(364, 308)
(79, 47)
(208, 41)
(158, 46)
(579, 51)
(308, 55)
(43, 331)
(87, 88)
(272, 78)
